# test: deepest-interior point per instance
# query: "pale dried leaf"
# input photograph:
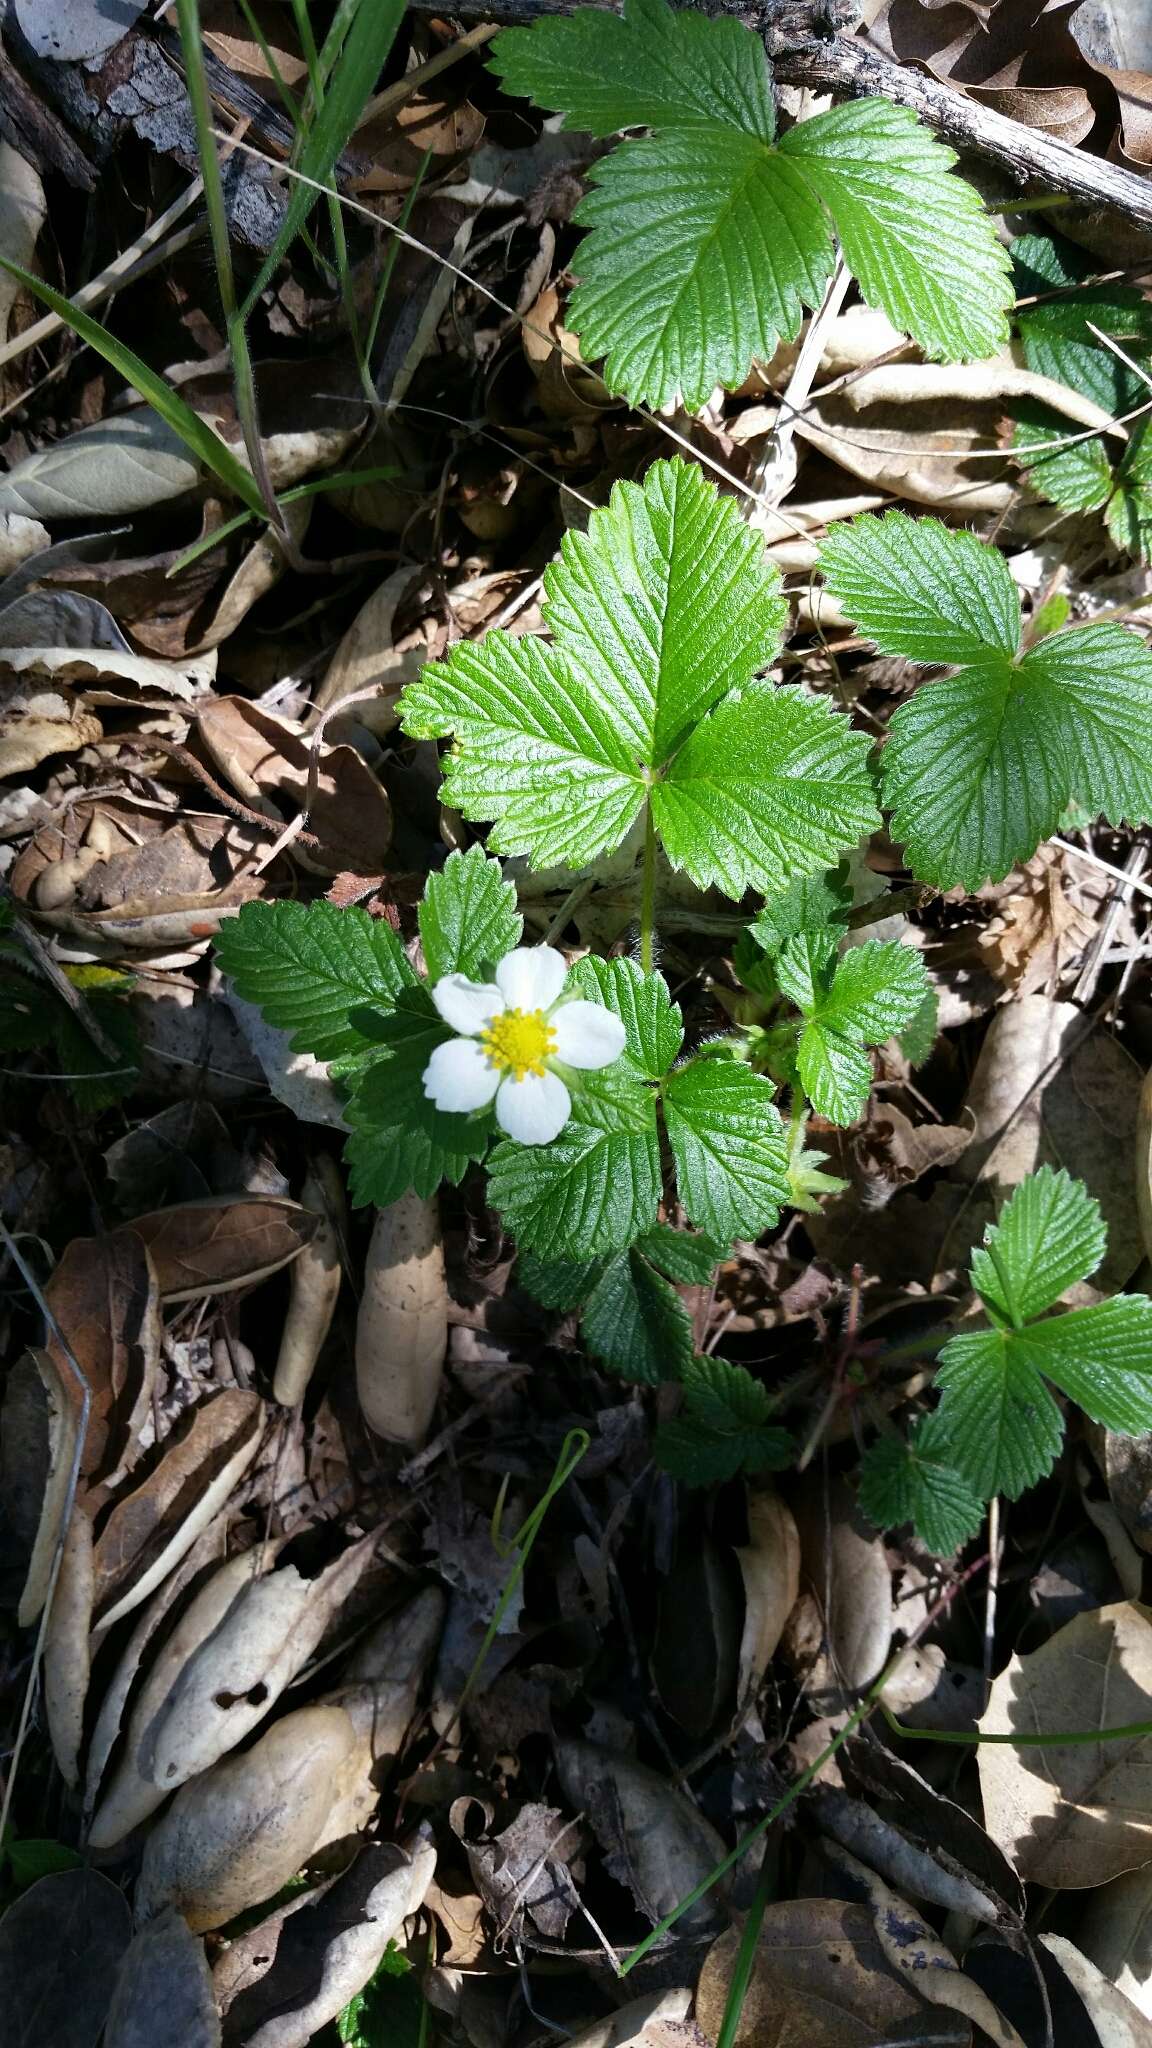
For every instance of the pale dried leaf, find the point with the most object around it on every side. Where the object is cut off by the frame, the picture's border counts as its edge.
(770, 1567)
(63, 1441)
(164, 1971)
(313, 1284)
(222, 1242)
(1070, 1817)
(845, 1567)
(67, 1657)
(271, 762)
(39, 722)
(151, 1527)
(366, 659)
(68, 31)
(402, 1327)
(1119, 2023)
(1114, 1930)
(820, 1980)
(89, 667)
(655, 1840)
(124, 464)
(22, 211)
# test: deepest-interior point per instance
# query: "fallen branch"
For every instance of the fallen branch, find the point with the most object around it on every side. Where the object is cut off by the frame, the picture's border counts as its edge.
(805, 49)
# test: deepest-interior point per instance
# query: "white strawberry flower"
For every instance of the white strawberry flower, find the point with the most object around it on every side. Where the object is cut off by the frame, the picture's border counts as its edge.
(514, 1032)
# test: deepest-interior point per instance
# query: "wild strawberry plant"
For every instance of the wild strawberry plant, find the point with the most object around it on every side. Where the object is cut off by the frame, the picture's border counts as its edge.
(623, 1155)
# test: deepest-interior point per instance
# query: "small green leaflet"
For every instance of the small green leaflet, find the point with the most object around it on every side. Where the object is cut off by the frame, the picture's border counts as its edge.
(662, 615)
(873, 991)
(913, 1481)
(399, 1140)
(709, 237)
(980, 766)
(997, 1422)
(309, 966)
(724, 1427)
(468, 917)
(1081, 476)
(729, 1145)
(632, 1319)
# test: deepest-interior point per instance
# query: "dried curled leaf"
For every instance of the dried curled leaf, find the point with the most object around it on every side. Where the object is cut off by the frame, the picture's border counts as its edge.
(402, 1329)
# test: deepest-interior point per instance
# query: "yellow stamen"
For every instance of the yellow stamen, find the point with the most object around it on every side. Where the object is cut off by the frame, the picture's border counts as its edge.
(519, 1042)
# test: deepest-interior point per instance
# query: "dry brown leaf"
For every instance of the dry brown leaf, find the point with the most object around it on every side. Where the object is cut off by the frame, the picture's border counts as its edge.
(154, 1524)
(1037, 930)
(1016, 56)
(124, 464)
(232, 1837)
(845, 1569)
(328, 1952)
(367, 659)
(658, 2021)
(1071, 1817)
(39, 721)
(820, 1980)
(1114, 1930)
(1118, 2022)
(231, 1681)
(60, 1947)
(697, 1644)
(64, 1414)
(223, 1242)
(920, 1957)
(86, 669)
(270, 762)
(67, 1656)
(655, 1840)
(163, 1972)
(105, 1305)
(770, 1567)
(402, 1327)
(207, 1553)
(313, 1284)
(22, 212)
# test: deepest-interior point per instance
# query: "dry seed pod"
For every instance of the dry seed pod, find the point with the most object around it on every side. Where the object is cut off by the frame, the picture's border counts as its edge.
(402, 1329)
(313, 1285)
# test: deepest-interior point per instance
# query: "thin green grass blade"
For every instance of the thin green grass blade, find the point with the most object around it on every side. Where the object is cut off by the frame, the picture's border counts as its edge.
(351, 85)
(340, 480)
(195, 433)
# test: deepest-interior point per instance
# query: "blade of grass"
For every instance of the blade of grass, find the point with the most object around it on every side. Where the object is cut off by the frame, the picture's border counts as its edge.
(335, 215)
(350, 86)
(195, 77)
(340, 480)
(196, 434)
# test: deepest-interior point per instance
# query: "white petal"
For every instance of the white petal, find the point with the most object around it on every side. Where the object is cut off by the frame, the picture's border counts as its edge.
(587, 1035)
(459, 1076)
(534, 1110)
(532, 977)
(467, 1005)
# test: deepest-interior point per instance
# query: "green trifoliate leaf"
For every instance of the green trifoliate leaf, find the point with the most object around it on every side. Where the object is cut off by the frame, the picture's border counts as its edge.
(1049, 1235)
(399, 1140)
(724, 1427)
(912, 1481)
(811, 903)
(1086, 476)
(662, 614)
(308, 967)
(870, 993)
(468, 918)
(642, 1003)
(980, 766)
(709, 238)
(729, 1146)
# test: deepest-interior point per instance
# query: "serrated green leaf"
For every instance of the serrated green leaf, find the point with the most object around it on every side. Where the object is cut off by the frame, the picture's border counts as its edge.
(635, 1323)
(592, 1191)
(999, 1423)
(399, 1139)
(642, 1003)
(1101, 1357)
(772, 784)
(558, 1283)
(917, 588)
(1049, 1235)
(724, 1427)
(729, 1146)
(308, 966)
(921, 1032)
(95, 1081)
(1057, 333)
(980, 765)
(688, 1259)
(665, 607)
(916, 239)
(468, 918)
(872, 991)
(810, 903)
(913, 1482)
(1075, 474)
(708, 239)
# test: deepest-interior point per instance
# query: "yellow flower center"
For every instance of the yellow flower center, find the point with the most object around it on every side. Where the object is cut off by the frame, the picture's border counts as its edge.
(519, 1042)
